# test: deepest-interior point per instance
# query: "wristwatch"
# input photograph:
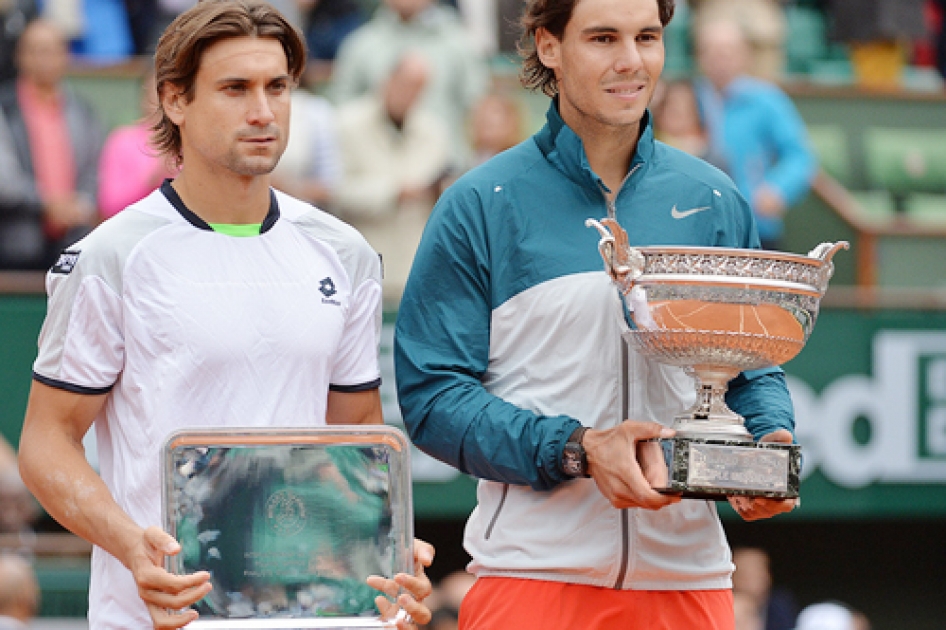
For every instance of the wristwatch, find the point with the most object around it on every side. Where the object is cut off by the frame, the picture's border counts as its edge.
(574, 458)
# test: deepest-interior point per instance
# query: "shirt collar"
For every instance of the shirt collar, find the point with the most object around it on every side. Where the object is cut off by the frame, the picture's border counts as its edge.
(175, 200)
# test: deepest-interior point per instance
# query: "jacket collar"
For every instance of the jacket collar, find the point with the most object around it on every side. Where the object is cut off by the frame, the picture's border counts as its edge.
(565, 150)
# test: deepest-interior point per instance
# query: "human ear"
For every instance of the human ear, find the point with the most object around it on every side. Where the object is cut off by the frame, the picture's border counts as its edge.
(548, 48)
(172, 102)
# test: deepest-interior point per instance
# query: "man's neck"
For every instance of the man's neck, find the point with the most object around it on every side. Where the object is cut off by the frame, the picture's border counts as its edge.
(235, 200)
(610, 152)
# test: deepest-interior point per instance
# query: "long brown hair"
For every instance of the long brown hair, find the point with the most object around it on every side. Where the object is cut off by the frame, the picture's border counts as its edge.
(179, 51)
(553, 16)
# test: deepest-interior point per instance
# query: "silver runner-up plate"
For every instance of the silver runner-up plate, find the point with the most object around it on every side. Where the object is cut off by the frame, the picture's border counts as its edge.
(289, 523)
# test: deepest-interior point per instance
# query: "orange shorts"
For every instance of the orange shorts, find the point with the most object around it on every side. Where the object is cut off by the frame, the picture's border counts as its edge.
(517, 604)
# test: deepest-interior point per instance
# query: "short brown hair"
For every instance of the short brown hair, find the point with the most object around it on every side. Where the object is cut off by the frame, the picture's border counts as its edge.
(178, 55)
(553, 16)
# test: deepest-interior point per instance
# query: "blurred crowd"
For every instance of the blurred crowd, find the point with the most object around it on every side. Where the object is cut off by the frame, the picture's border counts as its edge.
(760, 603)
(408, 104)
(408, 109)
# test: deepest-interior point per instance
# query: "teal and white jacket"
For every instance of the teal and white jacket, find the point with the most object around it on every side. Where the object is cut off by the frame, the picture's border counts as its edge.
(508, 338)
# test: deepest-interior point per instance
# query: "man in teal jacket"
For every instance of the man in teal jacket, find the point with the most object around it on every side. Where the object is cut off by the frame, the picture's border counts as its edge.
(508, 345)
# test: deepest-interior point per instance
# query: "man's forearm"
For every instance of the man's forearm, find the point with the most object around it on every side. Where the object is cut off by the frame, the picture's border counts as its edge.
(54, 468)
(57, 473)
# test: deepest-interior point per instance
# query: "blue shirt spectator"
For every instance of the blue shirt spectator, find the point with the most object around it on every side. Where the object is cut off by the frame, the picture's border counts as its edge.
(756, 134)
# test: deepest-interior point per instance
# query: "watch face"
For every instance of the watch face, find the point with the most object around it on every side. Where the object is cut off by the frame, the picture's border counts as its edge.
(571, 460)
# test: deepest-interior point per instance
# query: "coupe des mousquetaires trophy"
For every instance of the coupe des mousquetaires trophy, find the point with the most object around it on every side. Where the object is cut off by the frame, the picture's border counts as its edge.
(717, 312)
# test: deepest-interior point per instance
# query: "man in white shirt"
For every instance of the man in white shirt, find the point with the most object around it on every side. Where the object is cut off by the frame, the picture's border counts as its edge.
(212, 299)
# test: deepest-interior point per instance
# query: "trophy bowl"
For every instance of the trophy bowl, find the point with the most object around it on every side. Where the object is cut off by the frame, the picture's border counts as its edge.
(717, 312)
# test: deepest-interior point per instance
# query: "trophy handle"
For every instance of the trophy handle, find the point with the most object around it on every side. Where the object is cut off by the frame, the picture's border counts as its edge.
(826, 251)
(623, 263)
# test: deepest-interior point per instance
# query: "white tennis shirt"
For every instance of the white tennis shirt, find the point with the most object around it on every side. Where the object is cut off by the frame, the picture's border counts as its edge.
(185, 327)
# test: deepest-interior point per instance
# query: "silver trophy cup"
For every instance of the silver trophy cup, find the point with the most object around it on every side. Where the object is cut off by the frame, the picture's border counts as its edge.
(717, 312)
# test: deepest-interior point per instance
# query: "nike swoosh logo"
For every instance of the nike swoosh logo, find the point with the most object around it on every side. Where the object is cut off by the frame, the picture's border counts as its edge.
(676, 214)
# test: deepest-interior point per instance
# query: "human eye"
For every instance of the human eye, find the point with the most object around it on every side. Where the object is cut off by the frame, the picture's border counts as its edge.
(278, 87)
(234, 89)
(649, 36)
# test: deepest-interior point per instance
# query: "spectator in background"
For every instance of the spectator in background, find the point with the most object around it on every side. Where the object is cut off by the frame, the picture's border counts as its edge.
(496, 125)
(395, 155)
(14, 16)
(481, 18)
(19, 593)
(753, 578)
(831, 616)
(51, 143)
(448, 596)
(879, 34)
(762, 21)
(677, 119)
(458, 75)
(130, 170)
(18, 508)
(756, 135)
(311, 167)
(327, 23)
(746, 612)
(105, 36)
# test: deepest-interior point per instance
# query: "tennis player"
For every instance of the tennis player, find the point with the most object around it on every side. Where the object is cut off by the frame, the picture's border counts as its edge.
(509, 354)
(212, 302)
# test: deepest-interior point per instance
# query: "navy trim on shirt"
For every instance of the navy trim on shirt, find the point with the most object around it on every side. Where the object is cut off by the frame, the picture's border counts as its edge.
(71, 387)
(352, 389)
(168, 191)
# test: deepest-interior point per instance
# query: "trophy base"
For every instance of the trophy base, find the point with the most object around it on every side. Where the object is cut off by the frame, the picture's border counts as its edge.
(714, 469)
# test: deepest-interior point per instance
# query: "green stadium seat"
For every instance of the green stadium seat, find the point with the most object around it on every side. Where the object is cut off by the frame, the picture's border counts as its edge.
(926, 210)
(878, 206)
(905, 161)
(806, 42)
(829, 143)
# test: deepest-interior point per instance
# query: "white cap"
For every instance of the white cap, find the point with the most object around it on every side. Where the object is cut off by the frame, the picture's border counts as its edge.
(825, 616)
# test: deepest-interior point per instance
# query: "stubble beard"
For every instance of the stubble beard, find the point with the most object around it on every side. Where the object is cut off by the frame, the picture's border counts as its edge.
(252, 165)
(617, 123)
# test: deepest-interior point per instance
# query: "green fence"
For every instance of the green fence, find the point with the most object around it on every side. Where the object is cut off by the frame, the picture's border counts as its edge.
(869, 390)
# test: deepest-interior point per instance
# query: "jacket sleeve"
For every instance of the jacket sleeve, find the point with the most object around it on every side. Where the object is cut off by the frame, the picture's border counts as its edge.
(795, 164)
(441, 352)
(762, 398)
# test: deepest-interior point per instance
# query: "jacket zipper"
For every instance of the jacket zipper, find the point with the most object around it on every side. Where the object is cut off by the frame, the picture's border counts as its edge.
(499, 508)
(611, 205)
(625, 514)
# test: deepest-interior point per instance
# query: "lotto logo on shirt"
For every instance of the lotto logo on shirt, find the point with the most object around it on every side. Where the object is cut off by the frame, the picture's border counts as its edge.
(327, 288)
(67, 262)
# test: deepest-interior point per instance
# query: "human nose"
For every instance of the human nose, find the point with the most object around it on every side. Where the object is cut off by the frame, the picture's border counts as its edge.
(261, 110)
(628, 59)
